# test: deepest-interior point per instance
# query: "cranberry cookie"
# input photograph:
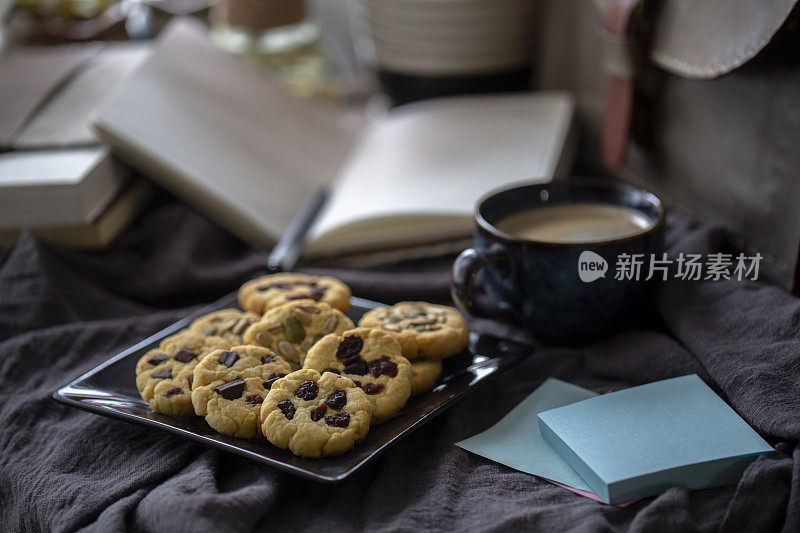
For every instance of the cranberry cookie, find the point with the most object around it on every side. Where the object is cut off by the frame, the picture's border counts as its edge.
(424, 374)
(292, 328)
(226, 323)
(372, 359)
(164, 375)
(230, 385)
(424, 330)
(264, 293)
(315, 416)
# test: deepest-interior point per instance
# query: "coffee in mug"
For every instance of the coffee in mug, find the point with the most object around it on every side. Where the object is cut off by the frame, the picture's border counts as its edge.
(572, 223)
(529, 244)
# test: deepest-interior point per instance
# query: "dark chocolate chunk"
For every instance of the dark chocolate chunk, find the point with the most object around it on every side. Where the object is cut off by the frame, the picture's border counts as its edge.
(191, 380)
(272, 379)
(228, 358)
(184, 356)
(318, 413)
(332, 370)
(173, 392)
(231, 390)
(307, 390)
(267, 359)
(163, 374)
(157, 358)
(287, 408)
(355, 365)
(372, 388)
(254, 399)
(382, 366)
(350, 346)
(341, 420)
(337, 399)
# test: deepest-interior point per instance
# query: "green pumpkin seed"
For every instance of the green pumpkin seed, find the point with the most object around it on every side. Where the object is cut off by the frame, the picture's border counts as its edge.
(294, 330)
(210, 330)
(263, 339)
(329, 325)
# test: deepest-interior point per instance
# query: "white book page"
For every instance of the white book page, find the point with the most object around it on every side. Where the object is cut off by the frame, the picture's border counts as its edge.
(422, 168)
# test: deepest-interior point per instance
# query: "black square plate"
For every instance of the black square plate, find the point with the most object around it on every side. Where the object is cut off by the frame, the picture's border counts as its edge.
(110, 390)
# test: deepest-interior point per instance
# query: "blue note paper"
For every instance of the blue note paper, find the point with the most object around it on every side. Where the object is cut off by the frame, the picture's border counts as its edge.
(515, 440)
(640, 441)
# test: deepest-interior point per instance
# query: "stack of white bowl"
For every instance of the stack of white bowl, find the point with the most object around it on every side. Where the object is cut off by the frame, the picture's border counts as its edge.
(449, 37)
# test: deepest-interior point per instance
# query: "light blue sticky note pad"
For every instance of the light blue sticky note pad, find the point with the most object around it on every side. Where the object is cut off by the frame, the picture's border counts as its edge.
(640, 441)
(515, 440)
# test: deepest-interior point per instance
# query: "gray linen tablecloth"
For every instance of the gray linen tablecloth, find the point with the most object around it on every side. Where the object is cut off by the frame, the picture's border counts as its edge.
(61, 469)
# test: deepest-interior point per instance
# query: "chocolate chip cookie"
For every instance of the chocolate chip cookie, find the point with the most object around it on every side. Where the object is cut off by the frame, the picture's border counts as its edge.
(229, 324)
(264, 293)
(292, 328)
(230, 386)
(424, 330)
(164, 375)
(315, 415)
(372, 359)
(424, 374)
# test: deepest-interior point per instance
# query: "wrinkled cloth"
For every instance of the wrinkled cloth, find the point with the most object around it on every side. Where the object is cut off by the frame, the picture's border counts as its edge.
(63, 312)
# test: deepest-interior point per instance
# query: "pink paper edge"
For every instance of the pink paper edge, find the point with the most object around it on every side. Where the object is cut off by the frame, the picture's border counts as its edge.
(587, 494)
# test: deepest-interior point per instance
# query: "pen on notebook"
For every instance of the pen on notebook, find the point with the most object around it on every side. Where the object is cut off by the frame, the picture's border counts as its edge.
(284, 256)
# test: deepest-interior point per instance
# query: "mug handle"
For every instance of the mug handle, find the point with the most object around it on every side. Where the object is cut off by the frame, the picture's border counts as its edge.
(465, 270)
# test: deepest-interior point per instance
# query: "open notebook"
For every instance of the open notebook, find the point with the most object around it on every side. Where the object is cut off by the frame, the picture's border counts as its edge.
(231, 141)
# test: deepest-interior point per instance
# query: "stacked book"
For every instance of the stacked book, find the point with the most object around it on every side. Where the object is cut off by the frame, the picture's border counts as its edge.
(56, 179)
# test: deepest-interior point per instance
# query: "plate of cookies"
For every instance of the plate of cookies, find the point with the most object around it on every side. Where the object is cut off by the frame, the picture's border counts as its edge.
(294, 372)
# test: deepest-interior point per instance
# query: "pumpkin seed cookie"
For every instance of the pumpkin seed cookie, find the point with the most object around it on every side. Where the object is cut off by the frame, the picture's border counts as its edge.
(424, 374)
(425, 331)
(315, 416)
(372, 359)
(164, 375)
(226, 323)
(230, 385)
(264, 293)
(292, 328)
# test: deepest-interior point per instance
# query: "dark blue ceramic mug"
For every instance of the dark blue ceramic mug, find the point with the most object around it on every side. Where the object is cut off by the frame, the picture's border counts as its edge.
(562, 292)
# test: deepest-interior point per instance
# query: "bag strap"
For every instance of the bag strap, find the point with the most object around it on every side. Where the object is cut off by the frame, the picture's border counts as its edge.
(621, 59)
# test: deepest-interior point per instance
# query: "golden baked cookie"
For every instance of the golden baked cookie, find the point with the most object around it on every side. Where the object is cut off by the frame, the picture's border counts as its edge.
(230, 385)
(264, 293)
(424, 374)
(372, 359)
(424, 331)
(315, 415)
(292, 328)
(229, 324)
(164, 375)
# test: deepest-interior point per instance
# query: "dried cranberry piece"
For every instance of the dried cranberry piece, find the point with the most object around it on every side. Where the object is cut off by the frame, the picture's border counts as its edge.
(355, 365)
(185, 355)
(254, 399)
(337, 399)
(358, 383)
(277, 285)
(287, 408)
(272, 379)
(350, 346)
(372, 388)
(342, 420)
(382, 366)
(307, 390)
(157, 358)
(318, 413)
